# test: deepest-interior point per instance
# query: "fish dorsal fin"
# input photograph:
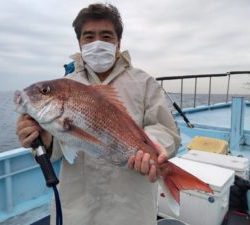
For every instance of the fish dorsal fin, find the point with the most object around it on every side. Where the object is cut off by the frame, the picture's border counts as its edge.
(111, 94)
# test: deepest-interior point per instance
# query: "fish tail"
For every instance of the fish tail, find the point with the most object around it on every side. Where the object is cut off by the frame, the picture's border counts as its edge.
(174, 179)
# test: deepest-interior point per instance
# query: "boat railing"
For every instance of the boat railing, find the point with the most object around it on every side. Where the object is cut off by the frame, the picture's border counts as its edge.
(22, 186)
(196, 77)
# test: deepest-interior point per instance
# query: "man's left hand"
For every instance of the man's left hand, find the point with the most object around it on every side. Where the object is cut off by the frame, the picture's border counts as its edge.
(141, 162)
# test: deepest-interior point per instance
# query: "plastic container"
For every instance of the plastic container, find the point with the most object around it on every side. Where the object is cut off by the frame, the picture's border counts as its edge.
(200, 208)
(208, 144)
(239, 164)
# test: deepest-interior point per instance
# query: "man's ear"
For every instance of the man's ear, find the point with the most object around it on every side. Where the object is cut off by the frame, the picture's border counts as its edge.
(119, 45)
(80, 47)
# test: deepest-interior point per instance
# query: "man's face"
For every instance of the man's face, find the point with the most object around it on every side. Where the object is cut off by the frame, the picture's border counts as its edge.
(102, 30)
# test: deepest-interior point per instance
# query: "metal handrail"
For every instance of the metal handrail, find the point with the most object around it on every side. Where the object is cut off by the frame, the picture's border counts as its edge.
(198, 76)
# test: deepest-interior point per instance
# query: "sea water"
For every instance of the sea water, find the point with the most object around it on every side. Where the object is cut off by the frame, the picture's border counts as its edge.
(8, 118)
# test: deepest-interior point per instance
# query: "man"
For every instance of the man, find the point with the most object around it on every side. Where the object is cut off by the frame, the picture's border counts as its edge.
(94, 192)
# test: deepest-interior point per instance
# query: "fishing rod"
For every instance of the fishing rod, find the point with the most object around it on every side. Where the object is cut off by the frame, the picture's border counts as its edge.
(177, 107)
(43, 160)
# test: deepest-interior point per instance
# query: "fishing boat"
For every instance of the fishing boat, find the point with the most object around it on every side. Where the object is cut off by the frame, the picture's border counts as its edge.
(215, 146)
(222, 126)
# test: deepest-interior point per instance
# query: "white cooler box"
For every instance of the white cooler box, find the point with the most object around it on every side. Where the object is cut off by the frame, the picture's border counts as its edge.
(239, 164)
(200, 208)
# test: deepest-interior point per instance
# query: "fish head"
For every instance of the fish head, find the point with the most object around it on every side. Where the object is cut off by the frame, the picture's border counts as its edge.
(43, 101)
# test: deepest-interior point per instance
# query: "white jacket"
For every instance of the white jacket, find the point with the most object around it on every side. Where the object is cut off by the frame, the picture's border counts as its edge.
(96, 193)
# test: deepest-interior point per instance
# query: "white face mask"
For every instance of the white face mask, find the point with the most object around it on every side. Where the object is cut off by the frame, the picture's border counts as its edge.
(99, 55)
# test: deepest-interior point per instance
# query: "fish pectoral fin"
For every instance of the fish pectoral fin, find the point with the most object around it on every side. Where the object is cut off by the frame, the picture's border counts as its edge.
(81, 134)
(69, 152)
(66, 124)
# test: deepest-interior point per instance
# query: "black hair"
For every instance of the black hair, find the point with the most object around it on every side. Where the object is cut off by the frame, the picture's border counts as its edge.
(98, 11)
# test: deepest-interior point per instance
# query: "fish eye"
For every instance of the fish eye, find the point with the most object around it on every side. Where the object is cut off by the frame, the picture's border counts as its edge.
(45, 90)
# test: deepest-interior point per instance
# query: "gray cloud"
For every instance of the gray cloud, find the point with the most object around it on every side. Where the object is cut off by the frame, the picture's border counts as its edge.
(164, 37)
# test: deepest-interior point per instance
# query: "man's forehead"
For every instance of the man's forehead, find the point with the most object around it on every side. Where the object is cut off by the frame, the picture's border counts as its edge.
(97, 31)
(98, 25)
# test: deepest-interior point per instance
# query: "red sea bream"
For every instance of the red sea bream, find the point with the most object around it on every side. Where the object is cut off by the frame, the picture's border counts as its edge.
(90, 118)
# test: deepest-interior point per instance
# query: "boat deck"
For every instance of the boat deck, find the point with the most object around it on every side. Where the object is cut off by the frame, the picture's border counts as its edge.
(216, 117)
(215, 121)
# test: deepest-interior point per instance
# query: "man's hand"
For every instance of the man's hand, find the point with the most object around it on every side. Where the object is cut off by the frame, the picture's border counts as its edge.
(28, 130)
(142, 164)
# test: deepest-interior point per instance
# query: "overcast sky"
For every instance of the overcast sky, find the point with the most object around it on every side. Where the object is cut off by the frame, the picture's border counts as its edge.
(164, 37)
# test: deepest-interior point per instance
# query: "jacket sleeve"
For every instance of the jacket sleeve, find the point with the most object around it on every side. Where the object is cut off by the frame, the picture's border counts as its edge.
(158, 120)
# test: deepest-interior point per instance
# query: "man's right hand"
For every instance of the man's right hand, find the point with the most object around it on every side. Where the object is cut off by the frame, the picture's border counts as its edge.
(28, 130)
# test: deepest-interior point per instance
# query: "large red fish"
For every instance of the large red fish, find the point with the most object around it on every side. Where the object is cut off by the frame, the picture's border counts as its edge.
(91, 119)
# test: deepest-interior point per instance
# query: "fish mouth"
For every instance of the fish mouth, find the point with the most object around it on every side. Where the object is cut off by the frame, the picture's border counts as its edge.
(20, 102)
